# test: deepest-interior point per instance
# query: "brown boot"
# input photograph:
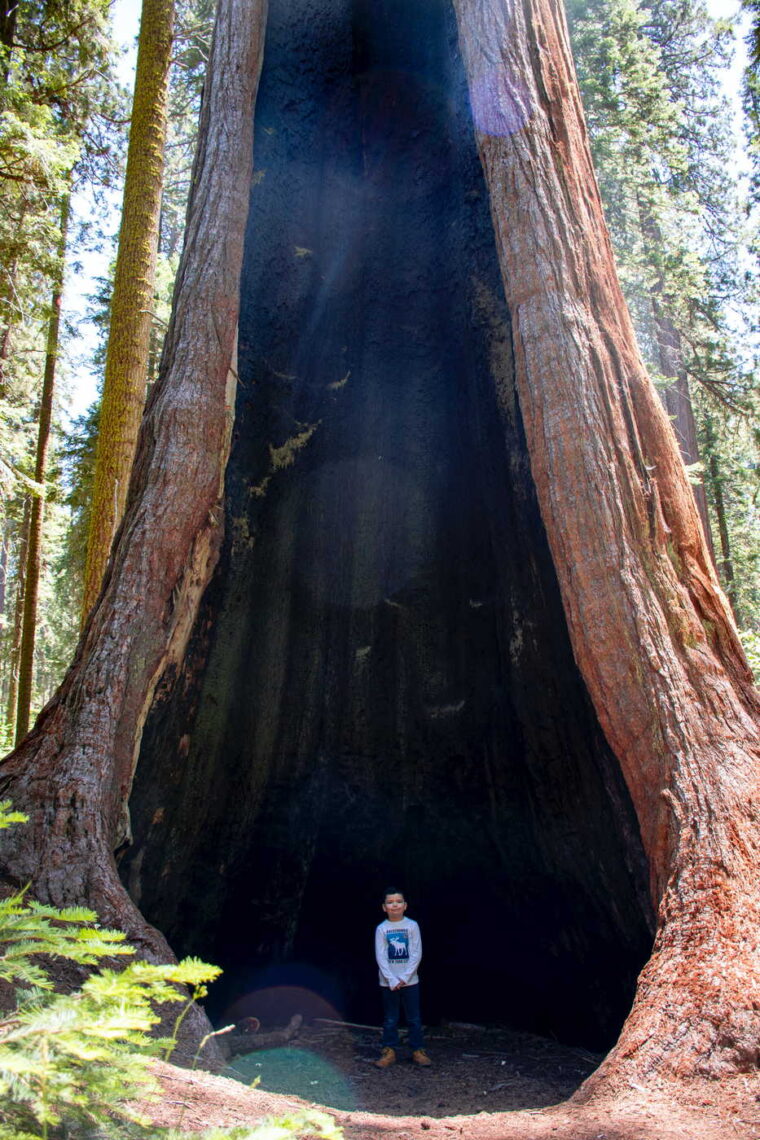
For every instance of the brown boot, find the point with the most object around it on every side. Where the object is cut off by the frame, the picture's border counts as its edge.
(420, 1057)
(386, 1058)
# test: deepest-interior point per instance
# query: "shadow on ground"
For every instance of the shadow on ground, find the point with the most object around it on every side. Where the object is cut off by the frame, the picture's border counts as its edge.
(474, 1070)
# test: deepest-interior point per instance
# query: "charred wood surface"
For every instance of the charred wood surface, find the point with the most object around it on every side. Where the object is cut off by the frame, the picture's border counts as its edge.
(380, 685)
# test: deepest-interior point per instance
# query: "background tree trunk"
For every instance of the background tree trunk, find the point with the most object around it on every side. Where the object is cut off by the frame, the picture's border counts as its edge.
(676, 397)
(4, 552)
(18, 615)
(34, 542)
(8, 12)
(132, 300)
(6, 339)
(715, 479)
(651, 629)
(677, 400)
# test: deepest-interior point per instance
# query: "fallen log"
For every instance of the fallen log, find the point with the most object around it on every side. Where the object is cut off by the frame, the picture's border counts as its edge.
(251, 1042)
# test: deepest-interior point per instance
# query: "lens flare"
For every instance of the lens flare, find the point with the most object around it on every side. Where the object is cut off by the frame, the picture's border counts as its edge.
(289, 1068)
(295, 1072)
(274, 1006)
(501, 104)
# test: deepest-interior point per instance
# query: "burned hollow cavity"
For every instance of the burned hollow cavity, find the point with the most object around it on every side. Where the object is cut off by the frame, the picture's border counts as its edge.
(379, 687)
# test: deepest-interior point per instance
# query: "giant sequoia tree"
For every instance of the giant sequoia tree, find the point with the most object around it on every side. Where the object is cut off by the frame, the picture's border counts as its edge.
(450, 614)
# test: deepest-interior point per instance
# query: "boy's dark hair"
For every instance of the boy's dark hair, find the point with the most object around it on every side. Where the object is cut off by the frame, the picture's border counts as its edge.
(393, 891)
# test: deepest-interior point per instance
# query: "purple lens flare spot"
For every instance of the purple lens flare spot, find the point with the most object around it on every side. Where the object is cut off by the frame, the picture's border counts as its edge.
(501, 104)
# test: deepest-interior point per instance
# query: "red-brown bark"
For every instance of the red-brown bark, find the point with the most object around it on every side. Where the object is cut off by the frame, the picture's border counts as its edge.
(651, 629)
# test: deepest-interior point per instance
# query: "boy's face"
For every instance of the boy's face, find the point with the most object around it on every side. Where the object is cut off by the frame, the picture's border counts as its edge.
(394, 907)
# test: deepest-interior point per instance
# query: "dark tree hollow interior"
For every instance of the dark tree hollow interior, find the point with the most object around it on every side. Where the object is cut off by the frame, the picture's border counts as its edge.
(380, 688)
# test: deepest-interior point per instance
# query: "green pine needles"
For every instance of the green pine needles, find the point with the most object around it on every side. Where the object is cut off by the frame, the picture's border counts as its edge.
(74, 1065)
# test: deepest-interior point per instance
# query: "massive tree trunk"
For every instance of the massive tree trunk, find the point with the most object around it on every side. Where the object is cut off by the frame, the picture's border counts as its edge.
(381, 657)
(650, 627)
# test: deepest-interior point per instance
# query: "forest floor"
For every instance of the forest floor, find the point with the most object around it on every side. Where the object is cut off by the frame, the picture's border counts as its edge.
(484, 1084)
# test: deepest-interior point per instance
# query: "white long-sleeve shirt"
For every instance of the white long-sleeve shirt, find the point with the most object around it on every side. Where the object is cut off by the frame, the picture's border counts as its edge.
(398, 950)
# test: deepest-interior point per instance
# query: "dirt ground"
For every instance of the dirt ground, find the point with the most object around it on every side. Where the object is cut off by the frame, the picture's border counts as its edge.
(484, 1084)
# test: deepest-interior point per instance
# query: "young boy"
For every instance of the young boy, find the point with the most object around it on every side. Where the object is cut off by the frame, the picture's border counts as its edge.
(398, 950)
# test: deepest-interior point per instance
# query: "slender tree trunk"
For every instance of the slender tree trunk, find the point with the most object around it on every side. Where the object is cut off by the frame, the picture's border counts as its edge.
(4, 559)
(676, 397)
(4, 573)
(677, 400)
(6, 298)
(154, 355)
(8, 15)
(18, 617)
(133, 292)
(651, 629)
(34, 545)
(5, 350)
(7, 335)
(716, 484)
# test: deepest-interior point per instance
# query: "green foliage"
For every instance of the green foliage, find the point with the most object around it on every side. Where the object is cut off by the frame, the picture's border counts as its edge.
(753, 38)
(60, 126)
(729, 444)
(751, 105)
(55, 99)
(77, 455)
(8, 817)
(79, 1061)
(751, 641)
(663, 148)
(60, 110)
(307, 1123)
(192, 38)
(29, 928)
(78, 1058)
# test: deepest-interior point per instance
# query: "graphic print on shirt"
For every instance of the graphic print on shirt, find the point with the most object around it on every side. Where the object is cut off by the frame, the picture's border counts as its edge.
(398, 945)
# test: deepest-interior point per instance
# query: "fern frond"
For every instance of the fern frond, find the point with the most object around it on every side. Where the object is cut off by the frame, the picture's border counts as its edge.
(9, 817)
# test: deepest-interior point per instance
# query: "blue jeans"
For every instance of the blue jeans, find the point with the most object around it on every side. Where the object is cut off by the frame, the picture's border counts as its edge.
(408, 999)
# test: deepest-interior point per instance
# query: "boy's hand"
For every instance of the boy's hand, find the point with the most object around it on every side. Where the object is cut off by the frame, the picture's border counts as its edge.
(398, 985)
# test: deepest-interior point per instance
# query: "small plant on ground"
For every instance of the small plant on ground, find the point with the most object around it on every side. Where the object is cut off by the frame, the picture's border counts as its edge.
(75, 1064)
(309, 1123)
